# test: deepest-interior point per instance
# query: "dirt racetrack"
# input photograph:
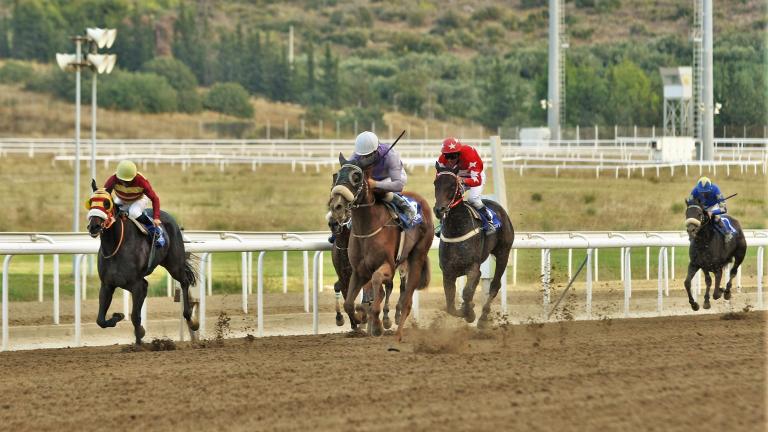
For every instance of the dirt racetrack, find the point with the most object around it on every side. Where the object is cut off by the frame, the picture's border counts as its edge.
(705, 372)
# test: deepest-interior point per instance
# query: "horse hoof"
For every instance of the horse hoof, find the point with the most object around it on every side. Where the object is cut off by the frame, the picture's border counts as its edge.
(339, 320)
(717, 293)
(387, 323)
(194, 325)
(695, 306)
(707, 305)
(483, 323)
(727, 294)
(117, 317)
(377, 330)
(469, 315)
(140, 332)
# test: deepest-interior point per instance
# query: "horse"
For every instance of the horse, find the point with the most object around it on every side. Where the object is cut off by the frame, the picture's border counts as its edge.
(463, 245)
(376, 248)
(124, 260)
(344, 272)
(709, 252)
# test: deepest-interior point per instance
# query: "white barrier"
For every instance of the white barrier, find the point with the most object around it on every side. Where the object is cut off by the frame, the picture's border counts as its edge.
(79, 244)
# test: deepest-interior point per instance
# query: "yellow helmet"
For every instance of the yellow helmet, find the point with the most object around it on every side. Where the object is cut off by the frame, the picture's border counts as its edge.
(126, 170)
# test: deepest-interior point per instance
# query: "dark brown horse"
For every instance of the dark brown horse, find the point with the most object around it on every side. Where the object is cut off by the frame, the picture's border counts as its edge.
(124, 261)
(710, 252)
(464, 246)
(375, 248)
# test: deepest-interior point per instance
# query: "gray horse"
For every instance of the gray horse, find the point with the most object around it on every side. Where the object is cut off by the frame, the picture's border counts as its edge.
(124, 261)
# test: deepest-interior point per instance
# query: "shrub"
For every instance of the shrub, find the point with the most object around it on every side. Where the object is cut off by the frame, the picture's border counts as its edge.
(138, 91)
(178, 74)
(189, 101)
(229, 98)
(488, 13)
(14, 73)
(536, 197)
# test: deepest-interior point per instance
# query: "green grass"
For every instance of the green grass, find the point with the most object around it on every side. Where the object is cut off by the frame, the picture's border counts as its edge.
(275, 199)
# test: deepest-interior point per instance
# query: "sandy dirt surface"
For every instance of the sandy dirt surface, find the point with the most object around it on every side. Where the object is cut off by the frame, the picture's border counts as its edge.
(703, 372)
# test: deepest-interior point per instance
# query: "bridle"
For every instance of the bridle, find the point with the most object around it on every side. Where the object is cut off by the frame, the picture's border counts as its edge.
(101, 205)
(353, 198)
(457, 196)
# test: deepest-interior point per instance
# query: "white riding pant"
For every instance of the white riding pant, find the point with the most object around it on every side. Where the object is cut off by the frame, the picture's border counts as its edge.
(473, 196)
(133, 208)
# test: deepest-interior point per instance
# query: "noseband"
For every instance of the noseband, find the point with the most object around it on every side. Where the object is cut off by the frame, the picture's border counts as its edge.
(457, 196)
(344, 191)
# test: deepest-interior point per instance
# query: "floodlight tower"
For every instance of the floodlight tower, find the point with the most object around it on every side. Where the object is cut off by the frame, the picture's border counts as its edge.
(556, 68)
(708, 126)
(74, 63)
(100, 63)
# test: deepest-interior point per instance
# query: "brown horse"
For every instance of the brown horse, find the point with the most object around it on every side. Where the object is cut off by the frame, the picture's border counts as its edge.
(375, 250)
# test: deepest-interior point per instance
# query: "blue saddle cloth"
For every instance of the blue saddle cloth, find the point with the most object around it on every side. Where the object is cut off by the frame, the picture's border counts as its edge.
(729, 228)
(403, 219)
(495, 218)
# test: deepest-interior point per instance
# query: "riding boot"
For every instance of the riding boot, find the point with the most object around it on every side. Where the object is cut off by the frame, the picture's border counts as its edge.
(487, 217)
(154, 231)
(724, 229)
(404, 206)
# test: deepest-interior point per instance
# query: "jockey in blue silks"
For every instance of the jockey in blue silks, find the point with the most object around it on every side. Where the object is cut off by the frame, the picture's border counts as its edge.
(388, 177)
(713, 201)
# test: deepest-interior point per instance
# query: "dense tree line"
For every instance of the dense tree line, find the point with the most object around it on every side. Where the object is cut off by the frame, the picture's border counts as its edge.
(615, 83)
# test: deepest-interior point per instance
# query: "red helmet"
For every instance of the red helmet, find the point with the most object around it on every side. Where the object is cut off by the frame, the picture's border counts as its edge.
(451, 145)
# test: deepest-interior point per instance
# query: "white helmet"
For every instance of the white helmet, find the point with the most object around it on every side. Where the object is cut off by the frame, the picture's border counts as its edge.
(366, 143)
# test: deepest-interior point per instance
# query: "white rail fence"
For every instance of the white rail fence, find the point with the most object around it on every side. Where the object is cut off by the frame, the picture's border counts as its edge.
(207, 243)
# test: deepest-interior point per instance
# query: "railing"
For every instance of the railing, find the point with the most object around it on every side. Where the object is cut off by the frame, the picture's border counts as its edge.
(207, 243)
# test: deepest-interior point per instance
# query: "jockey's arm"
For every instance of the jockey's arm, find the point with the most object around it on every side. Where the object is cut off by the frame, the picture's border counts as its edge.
(150, 193)
(396, 176)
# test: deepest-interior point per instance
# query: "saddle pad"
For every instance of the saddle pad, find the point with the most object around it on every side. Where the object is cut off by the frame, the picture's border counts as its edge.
(401, 219)
(728, 225)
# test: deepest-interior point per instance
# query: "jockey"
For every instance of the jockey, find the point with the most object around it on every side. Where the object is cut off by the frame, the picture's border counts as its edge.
(132, 191)
(471, 173)
(388, 177)
(713, 201)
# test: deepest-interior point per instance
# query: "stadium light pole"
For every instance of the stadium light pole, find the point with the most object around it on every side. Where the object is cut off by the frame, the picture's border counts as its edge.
(100, 63)
(75, 63)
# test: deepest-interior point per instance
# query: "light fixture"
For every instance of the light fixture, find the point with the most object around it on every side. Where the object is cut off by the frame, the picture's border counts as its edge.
(104, 38)
(66, 62)
(543, 103)
(102, 63)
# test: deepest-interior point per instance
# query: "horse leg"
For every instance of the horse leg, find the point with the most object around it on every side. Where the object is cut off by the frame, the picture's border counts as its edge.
(139, 291)
(692, 269)
(718, 278)
(381, 275)
(468, 295)
(501, 266)
(337, 291)
(403, 270)
(349, 302)
(738, 259)
(388, 286)
(449, 287)
(192, 324)
(105, 299)
(411, 283)
(708, 281)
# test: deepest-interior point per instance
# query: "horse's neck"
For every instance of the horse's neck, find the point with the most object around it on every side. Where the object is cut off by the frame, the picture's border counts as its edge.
(369, 217)
(459, 220)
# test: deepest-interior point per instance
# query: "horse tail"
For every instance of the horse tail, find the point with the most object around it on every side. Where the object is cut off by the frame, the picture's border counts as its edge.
(189, 271)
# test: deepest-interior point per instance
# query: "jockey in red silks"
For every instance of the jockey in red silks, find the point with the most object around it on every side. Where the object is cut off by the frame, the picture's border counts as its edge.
(454, 153)
(132, 193)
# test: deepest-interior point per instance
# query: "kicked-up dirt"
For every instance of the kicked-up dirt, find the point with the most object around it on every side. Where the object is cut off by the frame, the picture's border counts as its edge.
(696, 373)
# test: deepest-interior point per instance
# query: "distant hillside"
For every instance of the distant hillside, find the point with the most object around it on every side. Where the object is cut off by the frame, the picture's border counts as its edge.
(482, 61)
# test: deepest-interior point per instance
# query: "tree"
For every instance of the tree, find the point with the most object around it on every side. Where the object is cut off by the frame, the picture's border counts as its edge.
(190, 44)
(5, 44)
(229, 98)
(135, 44)
(37, 30)
(585, 92)
(330, 80)
(253, 76)
(631, 99)
(501, 96)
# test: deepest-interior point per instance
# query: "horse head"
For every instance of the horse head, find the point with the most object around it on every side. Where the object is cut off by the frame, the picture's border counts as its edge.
(348, 188)
(695, 218)
(448, 190)
(101, 210)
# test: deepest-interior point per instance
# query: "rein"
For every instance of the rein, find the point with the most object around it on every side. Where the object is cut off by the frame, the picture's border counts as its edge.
(457, 199)
(120, 243)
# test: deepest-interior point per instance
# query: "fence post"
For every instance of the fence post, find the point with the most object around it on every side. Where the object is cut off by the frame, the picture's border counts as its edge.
(315, 289)
(6, 264)
(589, 283)
(260, 294)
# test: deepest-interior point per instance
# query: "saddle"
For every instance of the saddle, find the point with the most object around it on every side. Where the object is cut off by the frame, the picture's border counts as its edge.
(727, 227)
(401, 218)
(476, 215)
